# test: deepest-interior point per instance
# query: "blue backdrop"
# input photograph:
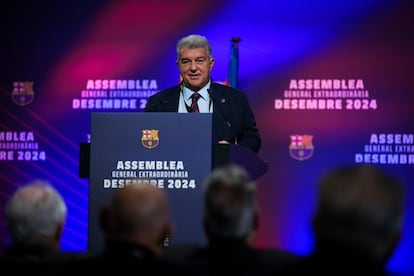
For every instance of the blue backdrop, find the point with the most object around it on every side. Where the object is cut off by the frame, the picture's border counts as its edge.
(330, 82)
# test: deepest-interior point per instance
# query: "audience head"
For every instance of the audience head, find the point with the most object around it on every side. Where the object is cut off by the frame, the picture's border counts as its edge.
(360, 206)
(36, 214)
(229, 204)
(138, 214)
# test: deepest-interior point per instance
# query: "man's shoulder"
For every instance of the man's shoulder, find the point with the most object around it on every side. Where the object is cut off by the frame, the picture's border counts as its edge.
(222, 90)
(216, 86)
(37, 265)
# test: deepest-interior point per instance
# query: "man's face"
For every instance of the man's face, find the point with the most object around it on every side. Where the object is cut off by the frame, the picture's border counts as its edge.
(195, 67)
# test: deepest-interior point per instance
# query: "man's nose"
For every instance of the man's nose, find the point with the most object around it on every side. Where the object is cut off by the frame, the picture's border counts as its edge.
(193, 65)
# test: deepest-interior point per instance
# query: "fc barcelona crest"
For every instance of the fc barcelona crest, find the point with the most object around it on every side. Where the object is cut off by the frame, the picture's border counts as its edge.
(301, 147)
(22, 93)
(150, 138)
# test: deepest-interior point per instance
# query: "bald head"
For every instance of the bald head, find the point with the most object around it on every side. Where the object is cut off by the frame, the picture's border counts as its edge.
(138, 213)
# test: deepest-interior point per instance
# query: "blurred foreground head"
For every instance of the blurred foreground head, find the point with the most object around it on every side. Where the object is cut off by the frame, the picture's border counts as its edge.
(138, 214)
(229, 204)
(36, 214)
(361, 207)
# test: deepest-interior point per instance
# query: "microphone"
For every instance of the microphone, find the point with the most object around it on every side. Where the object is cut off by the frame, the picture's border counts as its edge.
(159, 102)
(222, 114)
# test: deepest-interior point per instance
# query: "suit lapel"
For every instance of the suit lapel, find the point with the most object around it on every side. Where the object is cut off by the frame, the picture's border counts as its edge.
(172, 106)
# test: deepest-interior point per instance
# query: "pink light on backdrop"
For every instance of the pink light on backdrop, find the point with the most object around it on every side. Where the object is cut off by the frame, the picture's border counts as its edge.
(383, 60)
(126, 37)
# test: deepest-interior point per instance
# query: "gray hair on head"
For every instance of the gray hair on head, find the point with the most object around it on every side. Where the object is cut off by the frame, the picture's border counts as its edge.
(35, 210)
(230, 203)
(194, 41)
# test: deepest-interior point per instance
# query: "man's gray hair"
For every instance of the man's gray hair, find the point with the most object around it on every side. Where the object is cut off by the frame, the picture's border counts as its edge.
(193, 41)
(35, 210)
(229, 203)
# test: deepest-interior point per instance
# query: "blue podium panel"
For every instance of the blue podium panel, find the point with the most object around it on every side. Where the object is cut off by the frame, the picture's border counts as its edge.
(172, 150)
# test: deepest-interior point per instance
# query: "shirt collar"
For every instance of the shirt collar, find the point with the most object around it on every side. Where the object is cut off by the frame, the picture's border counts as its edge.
(187, 92)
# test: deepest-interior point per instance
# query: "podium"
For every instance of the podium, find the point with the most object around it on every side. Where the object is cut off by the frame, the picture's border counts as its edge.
(174, 151)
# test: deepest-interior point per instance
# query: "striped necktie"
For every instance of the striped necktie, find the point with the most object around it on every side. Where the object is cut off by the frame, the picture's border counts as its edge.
(194, 105)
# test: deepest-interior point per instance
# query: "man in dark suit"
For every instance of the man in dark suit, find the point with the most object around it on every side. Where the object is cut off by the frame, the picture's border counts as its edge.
(233, 119)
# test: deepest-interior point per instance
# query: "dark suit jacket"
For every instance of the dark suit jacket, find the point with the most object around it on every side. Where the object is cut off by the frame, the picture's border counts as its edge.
(19, 259)
(123, 258)
(230, 257)
(233, 119)
(336, 258)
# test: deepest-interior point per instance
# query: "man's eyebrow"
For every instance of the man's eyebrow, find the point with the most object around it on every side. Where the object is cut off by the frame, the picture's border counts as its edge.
(197, 58)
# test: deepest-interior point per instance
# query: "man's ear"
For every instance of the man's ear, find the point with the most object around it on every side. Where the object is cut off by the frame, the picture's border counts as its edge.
(170, 229)
(59, 232)
(212, 60)
(168, 232)
(251, 237)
